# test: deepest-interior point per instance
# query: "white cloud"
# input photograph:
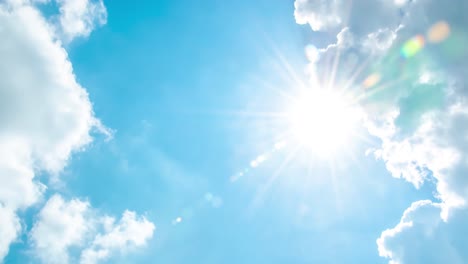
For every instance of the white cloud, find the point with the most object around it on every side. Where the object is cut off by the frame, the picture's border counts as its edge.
(361, 16)
(436, 151)
(428, 143)
(45, 113)
(9, 229)
(344, 39)
(48, 113)
(319, 14)
(416, 142)
(63, 227)
(18, 189)
(438, 146)
(60, 225)
(423, 237)
(417, 108)
(130, 232)
(45, 116)
(380, 40)
(79, 17)
(74, 18)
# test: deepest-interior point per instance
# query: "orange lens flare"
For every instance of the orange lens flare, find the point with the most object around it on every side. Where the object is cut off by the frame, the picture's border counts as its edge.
(439, 32)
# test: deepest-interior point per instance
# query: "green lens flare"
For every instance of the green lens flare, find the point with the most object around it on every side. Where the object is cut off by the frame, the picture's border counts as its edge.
(412, 46)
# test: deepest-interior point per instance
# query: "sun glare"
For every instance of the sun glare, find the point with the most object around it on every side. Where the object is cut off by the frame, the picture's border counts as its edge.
(322, 121)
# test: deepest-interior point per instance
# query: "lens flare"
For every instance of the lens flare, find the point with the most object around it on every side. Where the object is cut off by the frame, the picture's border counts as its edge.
(371, 80)
(439, 32)
(413, 46)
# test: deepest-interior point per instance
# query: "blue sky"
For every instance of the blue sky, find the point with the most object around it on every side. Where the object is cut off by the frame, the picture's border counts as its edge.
(162, 132)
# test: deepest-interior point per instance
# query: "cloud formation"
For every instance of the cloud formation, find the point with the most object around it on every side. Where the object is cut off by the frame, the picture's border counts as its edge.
(323, 15)
(60, 225)
(9, 229)
(414, 90)
(63, 226)
(46, 113)
(129, 232)
(46, 116)
(423, 237)
(79, 17)
(319, 14)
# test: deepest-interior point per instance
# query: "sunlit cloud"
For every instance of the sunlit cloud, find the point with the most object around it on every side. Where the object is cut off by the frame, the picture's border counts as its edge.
(412, 89)
(407, 99)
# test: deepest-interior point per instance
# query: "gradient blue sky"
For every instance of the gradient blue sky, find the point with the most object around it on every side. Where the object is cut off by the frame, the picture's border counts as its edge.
(181, 85)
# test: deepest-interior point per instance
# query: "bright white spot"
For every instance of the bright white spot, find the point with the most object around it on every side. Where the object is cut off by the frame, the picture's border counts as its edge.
(176, 221)
(280, 145)
(400, 2)
(322, 121)
(261, 158)
(253, 163)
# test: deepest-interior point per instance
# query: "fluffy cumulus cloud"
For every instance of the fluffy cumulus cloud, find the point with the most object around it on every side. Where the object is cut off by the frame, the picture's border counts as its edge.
(60, 225)
(129, 232)
(436, 151)
(45, 116)
(323, 15)
(320, 14)
(44, 112)
(423, 237)
(63, 226)
(406, 62)
(79, 17)
(9, 229)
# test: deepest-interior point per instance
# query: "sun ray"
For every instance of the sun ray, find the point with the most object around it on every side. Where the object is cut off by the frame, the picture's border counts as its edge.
(281, 92)
(253, 114)
(334, 69)
(291, 73)
(259, 196)
(367, 94)
(350, 81)
(317, 117)
(335, 186)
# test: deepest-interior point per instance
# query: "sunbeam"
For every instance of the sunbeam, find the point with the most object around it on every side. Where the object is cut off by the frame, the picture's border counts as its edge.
(321, 118)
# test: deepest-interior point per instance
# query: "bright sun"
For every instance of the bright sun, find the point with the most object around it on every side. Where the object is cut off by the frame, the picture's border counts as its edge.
(322, 121)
